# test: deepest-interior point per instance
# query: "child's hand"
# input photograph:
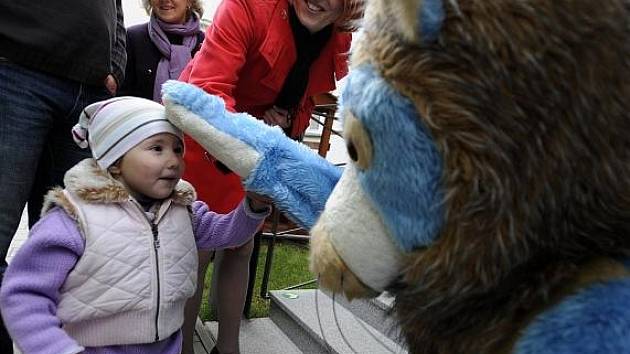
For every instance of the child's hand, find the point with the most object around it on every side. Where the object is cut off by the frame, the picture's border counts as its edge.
(258, 203)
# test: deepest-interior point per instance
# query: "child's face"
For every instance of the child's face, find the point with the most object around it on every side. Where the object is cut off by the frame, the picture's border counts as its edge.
(153, 167)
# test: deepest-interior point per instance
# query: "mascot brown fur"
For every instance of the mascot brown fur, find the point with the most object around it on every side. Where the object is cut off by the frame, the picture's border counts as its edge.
(528, 104)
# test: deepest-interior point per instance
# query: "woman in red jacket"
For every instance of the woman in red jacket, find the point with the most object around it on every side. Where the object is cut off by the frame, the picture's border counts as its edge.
(266, 58)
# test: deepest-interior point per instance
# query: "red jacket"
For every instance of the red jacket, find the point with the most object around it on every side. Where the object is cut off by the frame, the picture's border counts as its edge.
(247, 53)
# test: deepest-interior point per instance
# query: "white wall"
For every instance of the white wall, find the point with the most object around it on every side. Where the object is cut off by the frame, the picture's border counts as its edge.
(135, 14)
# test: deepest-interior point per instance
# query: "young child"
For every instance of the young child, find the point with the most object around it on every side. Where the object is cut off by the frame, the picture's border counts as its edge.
(111, 263)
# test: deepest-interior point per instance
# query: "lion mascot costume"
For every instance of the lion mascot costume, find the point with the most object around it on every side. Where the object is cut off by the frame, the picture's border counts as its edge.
(489, 184)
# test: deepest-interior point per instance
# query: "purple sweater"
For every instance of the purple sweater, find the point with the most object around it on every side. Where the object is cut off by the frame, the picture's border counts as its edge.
(30, 290)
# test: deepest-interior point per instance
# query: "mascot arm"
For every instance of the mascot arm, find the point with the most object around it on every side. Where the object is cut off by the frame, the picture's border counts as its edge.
(594, 320)
(294, 177)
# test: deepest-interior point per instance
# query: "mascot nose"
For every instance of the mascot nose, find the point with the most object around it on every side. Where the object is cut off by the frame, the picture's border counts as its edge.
(332, 273)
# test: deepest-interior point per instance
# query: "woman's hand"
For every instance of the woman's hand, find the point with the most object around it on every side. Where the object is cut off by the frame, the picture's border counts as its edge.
(277, 116)
(110, 84)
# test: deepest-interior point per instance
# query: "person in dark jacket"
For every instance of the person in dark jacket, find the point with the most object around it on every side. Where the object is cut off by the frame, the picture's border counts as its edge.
(160, 49)
(56, 57)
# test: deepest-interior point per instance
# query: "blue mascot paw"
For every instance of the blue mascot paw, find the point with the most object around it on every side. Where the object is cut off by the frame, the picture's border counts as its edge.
(298, 180)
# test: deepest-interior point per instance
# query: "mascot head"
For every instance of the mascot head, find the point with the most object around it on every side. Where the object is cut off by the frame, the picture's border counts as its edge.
(490, 172)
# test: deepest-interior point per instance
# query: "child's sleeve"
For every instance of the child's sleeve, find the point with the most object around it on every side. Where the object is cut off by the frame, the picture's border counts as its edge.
(218, 231)
(30, 289)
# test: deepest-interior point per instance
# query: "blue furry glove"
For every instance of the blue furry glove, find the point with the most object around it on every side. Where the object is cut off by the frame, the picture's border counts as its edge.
(298, 180)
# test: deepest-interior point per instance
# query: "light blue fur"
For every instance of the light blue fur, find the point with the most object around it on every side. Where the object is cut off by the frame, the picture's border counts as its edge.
(403, 179)
(595, 320)
(431, 15)
(298, 180)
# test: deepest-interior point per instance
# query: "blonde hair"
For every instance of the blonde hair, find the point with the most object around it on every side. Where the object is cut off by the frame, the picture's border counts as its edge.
(194, 7)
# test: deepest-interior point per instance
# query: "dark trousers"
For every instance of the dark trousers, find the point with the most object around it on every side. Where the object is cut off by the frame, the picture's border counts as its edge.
(37, 112)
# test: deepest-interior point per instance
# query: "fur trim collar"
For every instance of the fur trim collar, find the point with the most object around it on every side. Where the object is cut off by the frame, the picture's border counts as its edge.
(89, 182)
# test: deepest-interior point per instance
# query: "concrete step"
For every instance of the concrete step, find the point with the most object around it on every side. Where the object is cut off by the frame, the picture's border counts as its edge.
(202, 339)
(259, 336)
(376, 312)
(318, 325)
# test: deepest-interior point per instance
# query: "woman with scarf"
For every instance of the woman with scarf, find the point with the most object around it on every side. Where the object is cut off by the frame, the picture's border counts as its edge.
(160, 49)
(267, 58)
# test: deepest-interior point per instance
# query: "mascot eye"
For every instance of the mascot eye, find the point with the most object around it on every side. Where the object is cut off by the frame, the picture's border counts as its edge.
(352, 151)
(357, 142)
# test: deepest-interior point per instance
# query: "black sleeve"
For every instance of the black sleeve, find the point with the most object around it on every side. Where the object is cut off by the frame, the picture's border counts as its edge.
(119, 55)
(127, 88)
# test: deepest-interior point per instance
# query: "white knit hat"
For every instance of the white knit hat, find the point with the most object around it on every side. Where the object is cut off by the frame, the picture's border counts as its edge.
(114, 126)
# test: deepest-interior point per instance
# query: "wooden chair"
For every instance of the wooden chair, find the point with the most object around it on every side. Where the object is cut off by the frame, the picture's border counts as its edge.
(325, 107)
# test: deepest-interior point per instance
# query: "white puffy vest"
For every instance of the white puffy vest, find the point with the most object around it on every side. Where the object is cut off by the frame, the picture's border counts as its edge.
(129, 286)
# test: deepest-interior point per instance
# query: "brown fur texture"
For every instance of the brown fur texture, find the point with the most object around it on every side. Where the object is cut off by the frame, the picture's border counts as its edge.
(528, 103)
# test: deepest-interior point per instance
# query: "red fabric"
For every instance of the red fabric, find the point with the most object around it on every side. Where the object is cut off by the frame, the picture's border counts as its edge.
(245, 57)
(222, 192)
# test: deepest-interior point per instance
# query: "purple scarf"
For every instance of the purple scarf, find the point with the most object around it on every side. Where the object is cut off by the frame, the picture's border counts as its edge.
(174, 56)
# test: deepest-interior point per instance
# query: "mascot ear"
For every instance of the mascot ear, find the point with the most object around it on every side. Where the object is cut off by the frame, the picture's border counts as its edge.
(417, 21)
